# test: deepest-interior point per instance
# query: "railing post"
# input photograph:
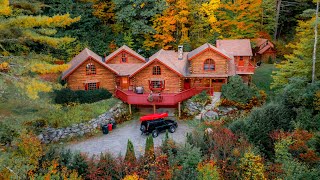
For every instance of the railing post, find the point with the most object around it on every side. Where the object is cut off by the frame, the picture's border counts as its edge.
(179, 109)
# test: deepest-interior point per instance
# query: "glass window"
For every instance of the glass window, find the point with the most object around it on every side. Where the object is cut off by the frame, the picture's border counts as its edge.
(124, 58)
(209, 65)
(90, 69)
(156, 70)
(92, 86)
(157, 84)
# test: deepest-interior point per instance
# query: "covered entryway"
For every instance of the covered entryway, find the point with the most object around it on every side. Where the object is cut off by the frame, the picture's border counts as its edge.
(124, 82)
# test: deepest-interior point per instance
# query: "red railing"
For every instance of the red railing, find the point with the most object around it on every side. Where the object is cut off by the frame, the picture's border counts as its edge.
(245, 69)
(157, 99)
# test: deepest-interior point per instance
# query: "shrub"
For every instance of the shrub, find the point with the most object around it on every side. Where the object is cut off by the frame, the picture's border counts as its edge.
(7, 134)
(262, 121)
(237, 91)
(130, 156)
(67, 96)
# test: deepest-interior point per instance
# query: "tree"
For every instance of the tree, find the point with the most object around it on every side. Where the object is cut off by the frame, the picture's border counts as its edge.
(239, 19)
(130, 155)
(22, 32)
(251, 166)
(314, 54)
(299, 62)
(149, 150)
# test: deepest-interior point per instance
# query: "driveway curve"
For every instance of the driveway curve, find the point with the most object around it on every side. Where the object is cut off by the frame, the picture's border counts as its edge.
(116, 141)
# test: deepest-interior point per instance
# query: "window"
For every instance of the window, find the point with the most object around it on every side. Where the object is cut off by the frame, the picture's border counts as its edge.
(92, 86)
(159, 84)
(209, 65)
(90, 69)
(241, 58)
(156, 70)
(124, 58)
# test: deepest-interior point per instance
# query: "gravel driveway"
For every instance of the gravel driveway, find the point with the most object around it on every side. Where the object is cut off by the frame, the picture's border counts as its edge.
(116, 141)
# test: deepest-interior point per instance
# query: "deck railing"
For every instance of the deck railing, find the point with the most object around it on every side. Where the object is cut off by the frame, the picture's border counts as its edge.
(157, 99)
(245, 69)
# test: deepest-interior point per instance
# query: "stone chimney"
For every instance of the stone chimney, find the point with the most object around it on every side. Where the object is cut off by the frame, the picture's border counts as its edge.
(180, 52)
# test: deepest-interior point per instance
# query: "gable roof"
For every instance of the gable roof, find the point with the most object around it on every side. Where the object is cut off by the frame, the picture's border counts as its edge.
(236, 47)
(168, 59)
(263, 45)
(79, 59)
(205, 47)
(128, 50)
(125, 69)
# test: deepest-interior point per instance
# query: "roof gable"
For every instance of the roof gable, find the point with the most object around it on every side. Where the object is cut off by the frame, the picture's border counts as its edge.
(236, 47)
(205, 47)
(165, 58)
(126, 49)
(82, 57)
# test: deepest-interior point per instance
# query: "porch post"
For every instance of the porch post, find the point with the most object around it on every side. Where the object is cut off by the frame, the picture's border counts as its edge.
(154, 108)
(130, 111)
(179, 109)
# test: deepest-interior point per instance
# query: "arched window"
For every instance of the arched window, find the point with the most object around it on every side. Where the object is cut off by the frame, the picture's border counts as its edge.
(156, 70)
(209, 65)
(90, 69)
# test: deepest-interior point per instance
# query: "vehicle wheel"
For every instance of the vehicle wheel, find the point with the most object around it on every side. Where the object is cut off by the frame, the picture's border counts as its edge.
(143, 128)
(172, 129)
(155, 133)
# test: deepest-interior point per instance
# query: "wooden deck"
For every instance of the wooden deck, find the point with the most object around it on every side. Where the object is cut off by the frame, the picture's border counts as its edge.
(131, 97)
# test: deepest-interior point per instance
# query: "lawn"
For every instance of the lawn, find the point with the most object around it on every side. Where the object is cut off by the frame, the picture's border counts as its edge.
(262, 77)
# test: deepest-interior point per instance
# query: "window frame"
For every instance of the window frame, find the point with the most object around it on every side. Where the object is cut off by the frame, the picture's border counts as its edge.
(205, 64)
(91, 69)
(124, 57)
(160, 86)
(156, 70)
(92, 86)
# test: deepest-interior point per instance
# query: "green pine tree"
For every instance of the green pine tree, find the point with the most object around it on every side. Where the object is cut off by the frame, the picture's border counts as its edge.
(149, 150)
(130, 155)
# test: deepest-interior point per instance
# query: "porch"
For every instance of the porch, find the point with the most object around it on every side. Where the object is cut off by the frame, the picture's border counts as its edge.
(168, 99)
(245, 69)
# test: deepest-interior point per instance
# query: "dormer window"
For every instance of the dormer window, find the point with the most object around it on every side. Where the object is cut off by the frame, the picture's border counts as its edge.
(209, 65)
(90, 69)
(156, 70)
(124, 58)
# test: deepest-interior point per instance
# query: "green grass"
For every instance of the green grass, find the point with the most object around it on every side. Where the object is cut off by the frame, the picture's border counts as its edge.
(262, 77)
(19, 113)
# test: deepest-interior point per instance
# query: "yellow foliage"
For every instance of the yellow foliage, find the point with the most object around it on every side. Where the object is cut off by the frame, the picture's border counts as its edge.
(132, 177)
(51, 41)
(252, 167)
(32, 87)
(48, 68)
(4, 7)
(4, 66)
(317, 101)
(45, 68)
(209, 9)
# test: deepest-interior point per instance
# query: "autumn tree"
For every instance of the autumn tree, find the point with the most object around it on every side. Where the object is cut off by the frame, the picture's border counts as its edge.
(239, 19)
(251, 166)
(299, 62)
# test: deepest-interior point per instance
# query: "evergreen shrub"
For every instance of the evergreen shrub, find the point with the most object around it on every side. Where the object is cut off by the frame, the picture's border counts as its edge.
(67, 96)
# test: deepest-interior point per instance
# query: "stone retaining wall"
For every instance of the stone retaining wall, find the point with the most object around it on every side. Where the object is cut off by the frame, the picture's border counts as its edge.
(49, 135)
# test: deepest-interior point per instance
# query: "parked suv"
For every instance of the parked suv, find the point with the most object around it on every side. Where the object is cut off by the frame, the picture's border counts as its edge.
(157, 125)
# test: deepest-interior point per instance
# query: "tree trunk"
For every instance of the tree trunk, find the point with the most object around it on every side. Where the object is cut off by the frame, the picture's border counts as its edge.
(315, 45)
(277, 19)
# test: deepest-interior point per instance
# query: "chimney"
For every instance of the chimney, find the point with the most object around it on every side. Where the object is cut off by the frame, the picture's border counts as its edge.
(180, 52)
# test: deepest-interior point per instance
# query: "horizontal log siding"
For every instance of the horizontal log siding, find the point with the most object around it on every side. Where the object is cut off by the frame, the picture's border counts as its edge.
(130, 59)
(221, 65)
(106, 77)
(172, 80)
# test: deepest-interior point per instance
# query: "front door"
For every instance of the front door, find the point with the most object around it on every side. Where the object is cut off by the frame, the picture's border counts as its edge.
(124, 82)
(241, 61)
(187, 84)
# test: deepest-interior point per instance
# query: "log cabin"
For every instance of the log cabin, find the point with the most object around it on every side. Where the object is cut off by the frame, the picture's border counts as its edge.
(264, 50)
(166, 78)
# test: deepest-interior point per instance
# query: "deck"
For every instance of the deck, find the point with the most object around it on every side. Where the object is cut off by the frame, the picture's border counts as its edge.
(131, 97)
(245, 69)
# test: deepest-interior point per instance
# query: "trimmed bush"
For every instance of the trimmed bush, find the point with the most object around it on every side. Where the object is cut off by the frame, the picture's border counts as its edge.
(237, 91)
(66, 96)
